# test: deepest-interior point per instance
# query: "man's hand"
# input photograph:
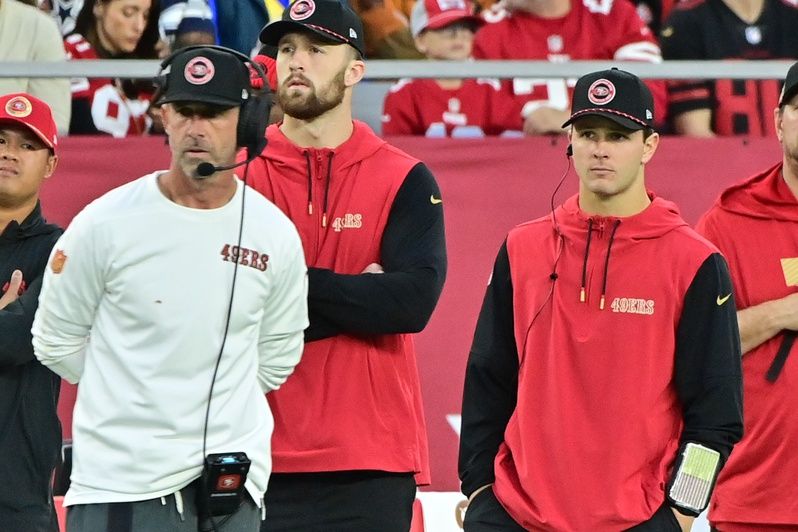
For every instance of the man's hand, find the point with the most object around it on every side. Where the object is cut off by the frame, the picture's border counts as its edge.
(14, 289)
(685, 521)
(545, 120)
(760, 323)
(373, 268)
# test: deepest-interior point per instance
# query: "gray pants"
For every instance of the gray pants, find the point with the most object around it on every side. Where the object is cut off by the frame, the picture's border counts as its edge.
(160, 515)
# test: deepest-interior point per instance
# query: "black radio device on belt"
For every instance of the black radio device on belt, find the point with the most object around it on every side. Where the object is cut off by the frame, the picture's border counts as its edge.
(222, 483)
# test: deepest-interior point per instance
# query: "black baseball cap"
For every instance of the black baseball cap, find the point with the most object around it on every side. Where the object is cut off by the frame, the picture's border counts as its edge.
(332, 20)
(790, 85)
(615, 94)
(208, 74)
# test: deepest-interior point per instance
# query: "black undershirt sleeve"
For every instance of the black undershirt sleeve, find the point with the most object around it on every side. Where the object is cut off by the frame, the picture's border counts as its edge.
(413, 256)
(708, 374)
(708, 360)
(681, 39)
(491, 382)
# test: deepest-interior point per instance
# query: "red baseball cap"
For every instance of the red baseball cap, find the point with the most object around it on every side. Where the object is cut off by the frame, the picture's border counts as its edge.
(435, 14)
(31, 112)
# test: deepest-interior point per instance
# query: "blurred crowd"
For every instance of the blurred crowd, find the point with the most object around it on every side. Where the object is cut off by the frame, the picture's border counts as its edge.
(553, 30)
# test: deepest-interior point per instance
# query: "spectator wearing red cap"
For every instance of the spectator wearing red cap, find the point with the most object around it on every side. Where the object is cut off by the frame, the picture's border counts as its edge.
(30, 434)
(444, 30)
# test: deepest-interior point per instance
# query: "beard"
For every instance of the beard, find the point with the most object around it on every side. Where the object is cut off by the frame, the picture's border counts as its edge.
(316, 102)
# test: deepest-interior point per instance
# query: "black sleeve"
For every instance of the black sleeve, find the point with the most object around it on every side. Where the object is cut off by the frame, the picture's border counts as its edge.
(491, 381)
(16, 320)
(81, 122)
(680, 39)
(708, 371)
(413, 255)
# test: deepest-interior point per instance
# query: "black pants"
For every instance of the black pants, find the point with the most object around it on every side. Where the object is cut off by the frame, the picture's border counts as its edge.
(341, 501)
(32, 519)
(663, 520)
(162, 515)
(486, 514)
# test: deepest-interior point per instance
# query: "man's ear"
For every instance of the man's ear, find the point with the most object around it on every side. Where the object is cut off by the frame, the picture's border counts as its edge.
(52, 164)
(421, 43)
(650, 147)
(166, 117)
(354, 72)
(777, 117)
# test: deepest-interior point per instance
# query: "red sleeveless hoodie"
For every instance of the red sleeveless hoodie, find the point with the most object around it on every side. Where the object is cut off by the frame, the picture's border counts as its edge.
(353, 402)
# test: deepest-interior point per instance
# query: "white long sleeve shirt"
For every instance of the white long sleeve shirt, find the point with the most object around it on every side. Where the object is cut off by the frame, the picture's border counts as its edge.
(134, 306)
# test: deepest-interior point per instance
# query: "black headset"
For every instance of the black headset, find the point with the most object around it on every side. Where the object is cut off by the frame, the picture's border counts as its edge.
(254, 111)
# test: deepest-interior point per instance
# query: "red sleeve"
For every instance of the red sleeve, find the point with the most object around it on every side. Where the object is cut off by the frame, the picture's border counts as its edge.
(399, 116)
(505, 111)
(76, 48)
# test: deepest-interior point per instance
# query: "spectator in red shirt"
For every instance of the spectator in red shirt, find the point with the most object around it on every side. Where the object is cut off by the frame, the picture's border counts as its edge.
(113, 29)
(559, 31)
(444, 30)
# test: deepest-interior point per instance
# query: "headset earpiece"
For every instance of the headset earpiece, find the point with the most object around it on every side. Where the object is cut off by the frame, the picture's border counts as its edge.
(254, 115)
(569, 151)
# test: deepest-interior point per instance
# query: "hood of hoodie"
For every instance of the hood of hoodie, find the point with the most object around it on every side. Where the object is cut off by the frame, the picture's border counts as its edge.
(33, 224)
(283, 152)
(660, 217)
(764, 196)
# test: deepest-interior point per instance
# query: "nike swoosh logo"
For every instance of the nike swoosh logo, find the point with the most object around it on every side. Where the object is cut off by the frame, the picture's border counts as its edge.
(434, 200)
(722, 300)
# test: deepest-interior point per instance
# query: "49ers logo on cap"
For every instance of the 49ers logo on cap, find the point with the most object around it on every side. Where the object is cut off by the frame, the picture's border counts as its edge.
(19, 107)
(302, 9)
(601, 92)
(199, 71)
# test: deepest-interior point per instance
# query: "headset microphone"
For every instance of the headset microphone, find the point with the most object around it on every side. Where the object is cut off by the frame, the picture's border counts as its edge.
(206, 169)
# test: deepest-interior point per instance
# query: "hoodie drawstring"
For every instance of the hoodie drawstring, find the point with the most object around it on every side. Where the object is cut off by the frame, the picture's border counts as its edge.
(582, 292)
(607, 263)
(584, 262)
(327, 190)
(310, 185)
(326, 187)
